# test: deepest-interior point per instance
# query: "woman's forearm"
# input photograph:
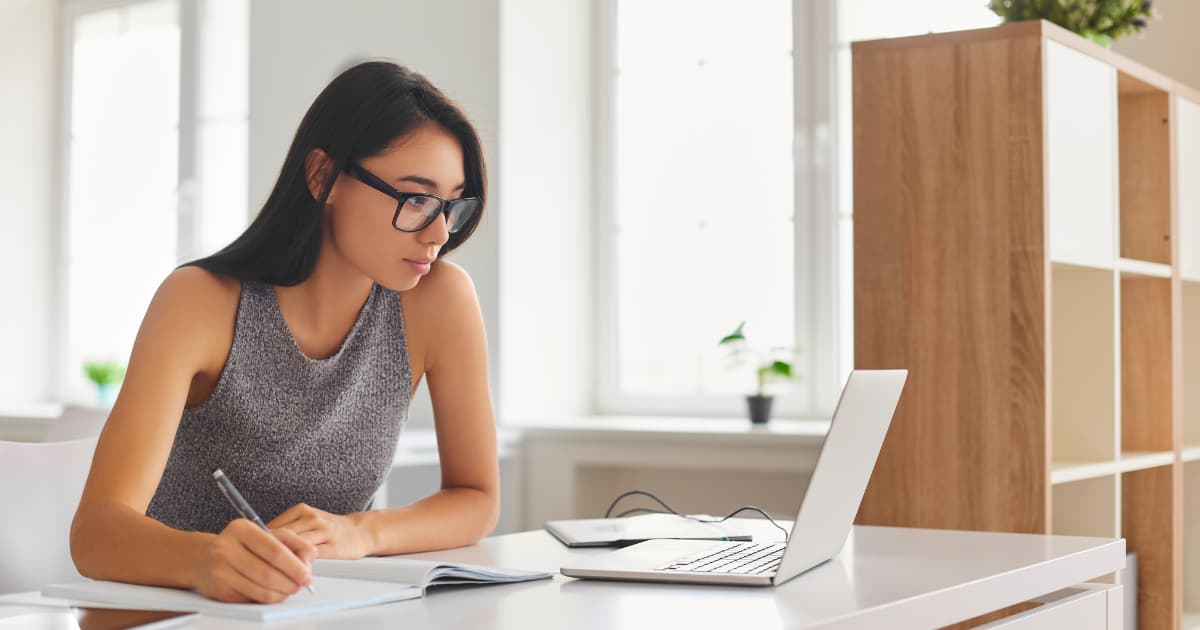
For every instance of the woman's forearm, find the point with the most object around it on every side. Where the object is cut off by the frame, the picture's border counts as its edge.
(115, 542)
(453, 517)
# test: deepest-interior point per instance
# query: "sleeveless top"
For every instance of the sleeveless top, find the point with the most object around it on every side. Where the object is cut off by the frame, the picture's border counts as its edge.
(289, 429)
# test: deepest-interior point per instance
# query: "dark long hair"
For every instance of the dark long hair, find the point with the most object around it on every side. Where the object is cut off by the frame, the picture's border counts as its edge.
(360, 113)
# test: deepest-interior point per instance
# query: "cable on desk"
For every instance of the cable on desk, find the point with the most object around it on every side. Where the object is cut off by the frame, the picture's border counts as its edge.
(670, 510)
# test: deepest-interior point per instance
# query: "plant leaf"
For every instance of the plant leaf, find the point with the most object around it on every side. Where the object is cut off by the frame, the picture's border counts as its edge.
(736, 335)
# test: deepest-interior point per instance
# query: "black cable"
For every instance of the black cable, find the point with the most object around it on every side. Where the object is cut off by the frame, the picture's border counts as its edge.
(670, 510)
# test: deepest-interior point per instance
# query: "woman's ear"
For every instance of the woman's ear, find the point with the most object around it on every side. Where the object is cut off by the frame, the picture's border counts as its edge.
(317, 169)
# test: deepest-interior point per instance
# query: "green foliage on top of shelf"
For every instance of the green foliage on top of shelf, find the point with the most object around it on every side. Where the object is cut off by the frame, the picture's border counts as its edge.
(1101, 21)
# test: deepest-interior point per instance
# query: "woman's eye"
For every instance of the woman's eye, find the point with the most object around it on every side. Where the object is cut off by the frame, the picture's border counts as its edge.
(420, 201)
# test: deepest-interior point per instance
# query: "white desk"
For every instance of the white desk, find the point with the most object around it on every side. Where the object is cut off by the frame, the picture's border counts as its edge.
(884, 578)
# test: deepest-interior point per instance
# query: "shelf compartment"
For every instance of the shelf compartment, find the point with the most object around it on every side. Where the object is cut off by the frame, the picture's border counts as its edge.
(1144, 164)
(1146, 360)
(1086, 508)
(1191, 540)
(1083, 358)
(1148, 527)
(1191, 364)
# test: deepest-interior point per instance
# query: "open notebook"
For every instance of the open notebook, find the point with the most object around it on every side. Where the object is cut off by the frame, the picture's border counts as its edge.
(381, 580)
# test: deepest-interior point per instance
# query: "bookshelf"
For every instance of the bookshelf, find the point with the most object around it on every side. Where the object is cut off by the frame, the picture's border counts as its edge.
(1028, 246)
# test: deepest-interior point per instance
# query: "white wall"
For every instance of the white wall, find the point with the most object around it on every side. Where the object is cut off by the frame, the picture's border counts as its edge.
(298, 46)
(29, 100)
(1169, 45)
(546, 112)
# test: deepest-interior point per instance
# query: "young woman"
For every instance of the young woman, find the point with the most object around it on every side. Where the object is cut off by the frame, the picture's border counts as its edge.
(288, 360)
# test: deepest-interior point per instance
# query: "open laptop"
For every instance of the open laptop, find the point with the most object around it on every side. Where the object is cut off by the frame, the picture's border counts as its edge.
(827, 510)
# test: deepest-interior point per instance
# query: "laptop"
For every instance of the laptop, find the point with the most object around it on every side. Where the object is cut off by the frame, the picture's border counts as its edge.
(827, 509)
(625, 531)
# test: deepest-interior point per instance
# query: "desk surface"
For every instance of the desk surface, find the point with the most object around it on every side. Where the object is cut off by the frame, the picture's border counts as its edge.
(885, 577)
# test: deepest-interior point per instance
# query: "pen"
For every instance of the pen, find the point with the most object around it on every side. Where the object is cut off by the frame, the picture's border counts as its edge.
(239, 503)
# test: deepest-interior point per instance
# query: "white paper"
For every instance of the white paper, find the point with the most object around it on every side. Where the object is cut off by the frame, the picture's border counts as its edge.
(422, 573)
(331, 594)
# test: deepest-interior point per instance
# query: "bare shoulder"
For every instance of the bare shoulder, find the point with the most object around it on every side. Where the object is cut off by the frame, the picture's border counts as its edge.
(194, 304)
(196, 293)
(447, 292)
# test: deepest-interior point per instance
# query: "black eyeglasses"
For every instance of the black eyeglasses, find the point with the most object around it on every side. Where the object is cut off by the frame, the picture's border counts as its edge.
(415, 211)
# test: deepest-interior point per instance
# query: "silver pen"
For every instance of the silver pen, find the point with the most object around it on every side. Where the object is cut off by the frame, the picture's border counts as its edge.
(239, 503)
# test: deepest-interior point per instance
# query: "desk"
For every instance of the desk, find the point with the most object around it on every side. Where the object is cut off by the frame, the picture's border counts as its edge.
(884, 578)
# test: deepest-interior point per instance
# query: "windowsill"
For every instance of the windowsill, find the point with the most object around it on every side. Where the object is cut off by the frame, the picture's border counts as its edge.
(678, 429)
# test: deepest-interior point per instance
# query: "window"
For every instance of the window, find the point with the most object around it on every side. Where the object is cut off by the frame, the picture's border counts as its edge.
(725, 141)
(155, 156)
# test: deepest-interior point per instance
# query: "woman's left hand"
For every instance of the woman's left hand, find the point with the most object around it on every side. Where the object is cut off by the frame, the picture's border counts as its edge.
(334, 535)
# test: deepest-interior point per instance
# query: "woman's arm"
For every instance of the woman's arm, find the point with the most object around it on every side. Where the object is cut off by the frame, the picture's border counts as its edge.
(448, 317)
(111, 537)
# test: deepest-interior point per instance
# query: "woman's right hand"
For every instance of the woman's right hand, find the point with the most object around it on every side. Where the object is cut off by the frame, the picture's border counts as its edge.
(245, 564)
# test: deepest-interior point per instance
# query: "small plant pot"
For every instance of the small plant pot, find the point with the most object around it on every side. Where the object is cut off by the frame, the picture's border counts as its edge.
(760, 408)
(106, 394)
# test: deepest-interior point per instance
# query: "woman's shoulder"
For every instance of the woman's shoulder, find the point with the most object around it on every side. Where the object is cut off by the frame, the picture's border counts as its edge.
(197, 287)
(446, 290)
(196, 298)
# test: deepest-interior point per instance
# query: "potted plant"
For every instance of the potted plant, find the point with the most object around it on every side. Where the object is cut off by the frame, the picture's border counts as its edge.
(107, 375)
(1101, 21)
(772, 365)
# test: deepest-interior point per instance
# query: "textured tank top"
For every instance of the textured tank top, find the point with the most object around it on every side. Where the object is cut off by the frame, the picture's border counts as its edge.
(289, 429)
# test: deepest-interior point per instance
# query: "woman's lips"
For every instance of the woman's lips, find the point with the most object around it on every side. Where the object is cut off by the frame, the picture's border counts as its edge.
(419, 266)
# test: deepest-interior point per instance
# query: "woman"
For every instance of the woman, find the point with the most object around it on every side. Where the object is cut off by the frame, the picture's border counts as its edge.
(288, 360)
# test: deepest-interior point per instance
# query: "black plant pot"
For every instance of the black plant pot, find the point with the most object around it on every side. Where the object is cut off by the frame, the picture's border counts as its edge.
(760, 408)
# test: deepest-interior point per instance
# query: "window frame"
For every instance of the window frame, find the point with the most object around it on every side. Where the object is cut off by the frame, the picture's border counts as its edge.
(188, 121)
(825, 360)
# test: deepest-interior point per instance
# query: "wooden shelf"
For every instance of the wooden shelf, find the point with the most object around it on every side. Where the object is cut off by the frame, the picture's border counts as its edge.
(1143, 268)
(1071, 471)
(1132, 460)
(1022, 204)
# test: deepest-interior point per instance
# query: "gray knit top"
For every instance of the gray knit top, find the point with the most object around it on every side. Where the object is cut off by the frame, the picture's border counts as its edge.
(288, 429)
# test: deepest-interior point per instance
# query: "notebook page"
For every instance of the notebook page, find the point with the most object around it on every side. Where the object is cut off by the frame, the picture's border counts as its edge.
(331, 594)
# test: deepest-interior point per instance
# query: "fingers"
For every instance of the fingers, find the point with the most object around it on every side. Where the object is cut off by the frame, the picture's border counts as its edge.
(301, 546)
(275, 565)
(246, 588)
(294, 513)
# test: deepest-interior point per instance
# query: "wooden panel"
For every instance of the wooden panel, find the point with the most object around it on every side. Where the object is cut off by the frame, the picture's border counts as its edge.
(1146, 364)
(1144, 124)
(1150, 502)
(950, 280)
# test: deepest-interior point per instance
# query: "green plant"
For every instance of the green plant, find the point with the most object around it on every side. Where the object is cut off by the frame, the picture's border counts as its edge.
(1101, 21)
(104, 372)
(774, 364)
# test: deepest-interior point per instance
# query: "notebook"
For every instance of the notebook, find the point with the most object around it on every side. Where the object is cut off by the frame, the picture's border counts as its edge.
(421, 573)
(338, 585)
(619, 532)
(331, 594)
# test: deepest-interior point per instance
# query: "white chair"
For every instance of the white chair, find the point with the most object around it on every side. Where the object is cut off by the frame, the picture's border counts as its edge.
(40, 486)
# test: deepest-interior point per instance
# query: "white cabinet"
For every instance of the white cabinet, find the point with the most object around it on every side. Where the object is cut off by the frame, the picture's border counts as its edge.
(1081, 165)
(1187, 115)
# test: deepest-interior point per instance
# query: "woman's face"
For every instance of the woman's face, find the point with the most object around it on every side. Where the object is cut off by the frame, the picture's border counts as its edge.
(359, 218)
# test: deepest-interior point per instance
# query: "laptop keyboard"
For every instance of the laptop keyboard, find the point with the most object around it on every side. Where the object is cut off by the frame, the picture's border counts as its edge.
(739, 558)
